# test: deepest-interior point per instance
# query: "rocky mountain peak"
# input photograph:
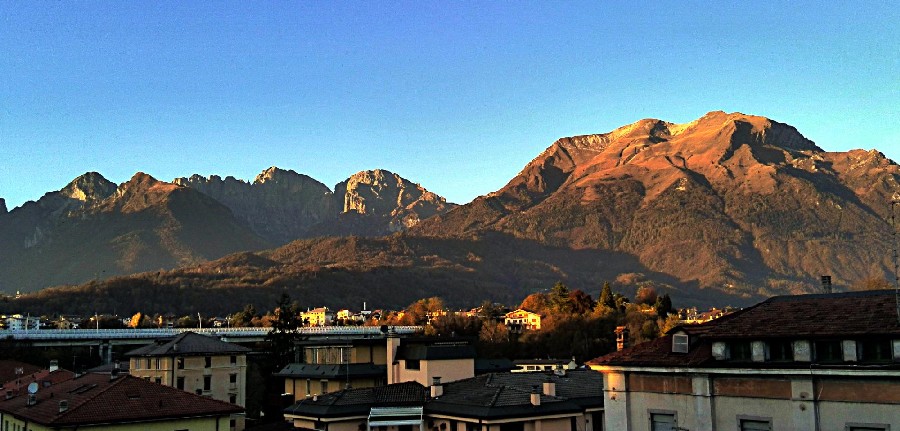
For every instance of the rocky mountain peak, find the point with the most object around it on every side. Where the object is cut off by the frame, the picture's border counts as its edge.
(2, 206)
(276, 174)
(382, 193)
(89, 187)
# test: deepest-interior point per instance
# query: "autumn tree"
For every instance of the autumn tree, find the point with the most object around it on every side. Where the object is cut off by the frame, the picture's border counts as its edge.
(536, 302)
(580, 302)
(646, 295)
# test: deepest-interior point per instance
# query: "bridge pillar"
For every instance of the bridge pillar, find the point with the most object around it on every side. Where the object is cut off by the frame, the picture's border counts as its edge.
(105, 351)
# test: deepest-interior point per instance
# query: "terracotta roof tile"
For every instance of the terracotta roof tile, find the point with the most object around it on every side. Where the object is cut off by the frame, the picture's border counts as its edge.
(95, 398)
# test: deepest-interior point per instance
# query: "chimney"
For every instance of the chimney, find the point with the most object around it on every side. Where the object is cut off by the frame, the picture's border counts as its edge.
(63, 405)
(54, 365)
(550, 387)
(393, 343)
(621, 337)
(436, 389)
(535, 396)
(826, 283)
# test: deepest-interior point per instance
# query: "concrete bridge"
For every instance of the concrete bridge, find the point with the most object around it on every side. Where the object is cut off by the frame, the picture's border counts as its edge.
(106, 339)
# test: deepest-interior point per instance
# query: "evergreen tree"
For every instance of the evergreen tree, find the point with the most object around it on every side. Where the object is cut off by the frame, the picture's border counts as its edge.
(284, 333)
(607, 299)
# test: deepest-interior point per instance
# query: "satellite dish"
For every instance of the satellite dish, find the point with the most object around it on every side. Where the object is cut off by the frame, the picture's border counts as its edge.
(32, 388)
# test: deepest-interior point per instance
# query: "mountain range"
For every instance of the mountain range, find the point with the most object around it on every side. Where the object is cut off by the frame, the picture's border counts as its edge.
(92, 229)
(729, 207)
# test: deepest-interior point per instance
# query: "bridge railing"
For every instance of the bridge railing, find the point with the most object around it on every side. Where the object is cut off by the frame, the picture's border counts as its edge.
(150, 333)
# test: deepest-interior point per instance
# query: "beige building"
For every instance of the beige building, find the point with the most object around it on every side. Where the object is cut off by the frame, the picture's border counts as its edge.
(523, 319)
(331, 365)
(422, 359)
(334, 364)
(195, 363)
(827, 362)
(112, 402)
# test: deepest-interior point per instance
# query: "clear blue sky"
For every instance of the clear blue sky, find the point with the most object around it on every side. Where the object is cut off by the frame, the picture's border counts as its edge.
(455, 95)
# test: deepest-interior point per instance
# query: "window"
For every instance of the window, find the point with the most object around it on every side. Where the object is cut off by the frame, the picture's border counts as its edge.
(158, 380)
(148, 363)
(207, 383)
(232, 399)
(781, 350)
(875, 351)
(324, 386)
(513, 426)
(866, 427)
(755, 424)
(208, 362)
(233, 360)
(473, 427)
(308, 387)
(412, 364)
(829, 351)
(663, 422)
(740, 351)
(232, 378)
(158, 362)
(179, 383)
(680, 343)
(180, 362)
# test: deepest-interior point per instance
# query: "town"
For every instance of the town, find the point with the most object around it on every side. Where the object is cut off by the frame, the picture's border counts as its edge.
(789, 361)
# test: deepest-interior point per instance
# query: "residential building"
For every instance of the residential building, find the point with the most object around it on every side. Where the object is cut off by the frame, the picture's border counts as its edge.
(195, 363)
(334, 364)
(420, 359)
(321, 316)
(18, 322)
(523, 320)
(810, 362)
(491, 402)
(112, 402)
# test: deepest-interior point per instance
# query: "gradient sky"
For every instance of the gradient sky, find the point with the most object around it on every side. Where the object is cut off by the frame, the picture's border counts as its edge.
(455, 95)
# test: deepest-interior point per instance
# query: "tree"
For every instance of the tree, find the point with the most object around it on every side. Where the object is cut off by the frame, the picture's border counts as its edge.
(536, 302)
(580, 302)
(645, 295)
(606, 296)
(664, 305)
(281, 338)
(244, 317)
(559, 298)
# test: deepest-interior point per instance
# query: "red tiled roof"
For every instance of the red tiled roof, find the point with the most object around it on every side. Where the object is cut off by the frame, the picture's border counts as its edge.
(95, 398)
(853, 314)
(8, 370)
(839, 314)
(44, 378)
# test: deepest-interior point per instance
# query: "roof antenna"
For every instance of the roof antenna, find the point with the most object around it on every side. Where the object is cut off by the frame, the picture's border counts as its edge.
(895, 200)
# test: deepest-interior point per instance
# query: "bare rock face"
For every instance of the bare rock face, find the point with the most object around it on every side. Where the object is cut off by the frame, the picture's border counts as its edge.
(93, 229)
(380, 194)
(734, 202)
(280, 205)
